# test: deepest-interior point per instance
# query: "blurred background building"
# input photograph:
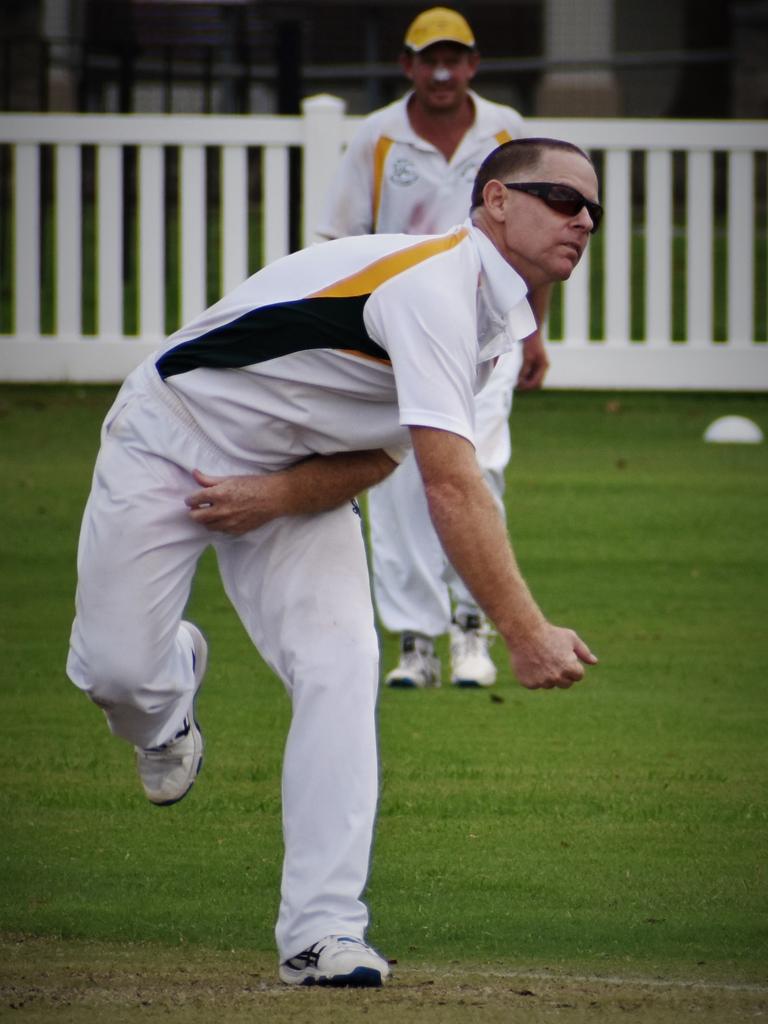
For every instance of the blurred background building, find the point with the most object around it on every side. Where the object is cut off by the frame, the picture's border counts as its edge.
(586, 58)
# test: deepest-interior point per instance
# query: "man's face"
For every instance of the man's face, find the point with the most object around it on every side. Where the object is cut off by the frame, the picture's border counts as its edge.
(543, 244)
(441, 75)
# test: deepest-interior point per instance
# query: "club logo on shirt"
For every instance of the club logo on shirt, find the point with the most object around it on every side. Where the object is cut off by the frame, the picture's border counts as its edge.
(403, 172)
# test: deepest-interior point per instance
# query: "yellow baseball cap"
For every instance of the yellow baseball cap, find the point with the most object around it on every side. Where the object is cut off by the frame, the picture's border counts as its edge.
(438, 25)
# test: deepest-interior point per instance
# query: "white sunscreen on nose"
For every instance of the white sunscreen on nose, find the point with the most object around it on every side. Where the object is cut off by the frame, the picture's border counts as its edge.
(441, 75)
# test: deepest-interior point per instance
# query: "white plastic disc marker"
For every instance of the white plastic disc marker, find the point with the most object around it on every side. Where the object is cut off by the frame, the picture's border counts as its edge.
(733, 430)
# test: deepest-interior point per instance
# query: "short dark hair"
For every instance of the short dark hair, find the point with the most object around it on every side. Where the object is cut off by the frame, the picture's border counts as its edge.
(514, 157)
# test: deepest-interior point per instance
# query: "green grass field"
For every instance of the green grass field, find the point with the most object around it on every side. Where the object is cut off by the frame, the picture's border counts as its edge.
(618, 826)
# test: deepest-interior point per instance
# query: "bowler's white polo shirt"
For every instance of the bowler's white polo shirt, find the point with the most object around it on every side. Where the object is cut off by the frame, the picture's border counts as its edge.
(390, 179)
(344, 345)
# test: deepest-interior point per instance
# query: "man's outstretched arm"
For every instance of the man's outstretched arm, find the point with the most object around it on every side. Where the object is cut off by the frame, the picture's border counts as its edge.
(475, 540)
(236, 504)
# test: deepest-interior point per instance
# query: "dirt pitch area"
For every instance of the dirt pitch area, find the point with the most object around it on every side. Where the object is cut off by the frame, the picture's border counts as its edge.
(44, 980)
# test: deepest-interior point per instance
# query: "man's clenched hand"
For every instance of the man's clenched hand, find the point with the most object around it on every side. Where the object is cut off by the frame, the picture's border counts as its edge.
(552, 657)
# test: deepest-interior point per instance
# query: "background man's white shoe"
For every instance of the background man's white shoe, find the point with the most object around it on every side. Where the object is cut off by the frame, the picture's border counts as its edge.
(418, 665)
(471, 664)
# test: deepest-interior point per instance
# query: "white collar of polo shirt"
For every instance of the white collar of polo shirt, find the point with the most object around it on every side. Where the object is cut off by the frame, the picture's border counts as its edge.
(505, 297)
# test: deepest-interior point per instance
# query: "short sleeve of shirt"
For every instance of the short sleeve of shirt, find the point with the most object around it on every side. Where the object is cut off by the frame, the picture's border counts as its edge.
(425, 318)
(349, 207)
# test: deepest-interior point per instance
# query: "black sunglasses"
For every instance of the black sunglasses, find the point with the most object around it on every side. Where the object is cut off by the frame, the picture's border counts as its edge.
(562, 198)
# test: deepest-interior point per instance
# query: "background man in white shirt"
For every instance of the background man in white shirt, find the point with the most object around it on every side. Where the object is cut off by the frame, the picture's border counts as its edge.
(410, 168)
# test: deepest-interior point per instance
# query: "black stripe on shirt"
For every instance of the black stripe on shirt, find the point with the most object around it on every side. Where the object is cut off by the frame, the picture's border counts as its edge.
(269, 332)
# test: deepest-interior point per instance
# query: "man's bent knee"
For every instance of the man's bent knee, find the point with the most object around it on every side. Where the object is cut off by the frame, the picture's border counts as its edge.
(113, 678)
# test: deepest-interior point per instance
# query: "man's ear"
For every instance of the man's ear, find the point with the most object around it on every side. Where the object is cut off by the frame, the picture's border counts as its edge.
(406, 63)
(495, 199)
(474, 61)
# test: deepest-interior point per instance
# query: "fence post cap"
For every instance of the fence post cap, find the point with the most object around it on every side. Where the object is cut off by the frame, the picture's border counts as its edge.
(323, 101)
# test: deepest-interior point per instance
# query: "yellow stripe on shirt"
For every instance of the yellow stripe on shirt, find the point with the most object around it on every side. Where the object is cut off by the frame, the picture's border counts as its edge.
(383, 146)
(502, 137)
(365, 281)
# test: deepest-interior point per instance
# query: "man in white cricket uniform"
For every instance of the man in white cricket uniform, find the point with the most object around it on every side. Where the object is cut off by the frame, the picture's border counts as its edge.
(410, 168)
(338, 352)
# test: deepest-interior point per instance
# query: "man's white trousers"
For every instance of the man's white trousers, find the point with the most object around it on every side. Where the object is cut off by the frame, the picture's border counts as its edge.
(300, 586)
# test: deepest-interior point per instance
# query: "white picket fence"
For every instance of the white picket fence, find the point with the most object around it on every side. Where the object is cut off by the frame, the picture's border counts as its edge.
(677, 158)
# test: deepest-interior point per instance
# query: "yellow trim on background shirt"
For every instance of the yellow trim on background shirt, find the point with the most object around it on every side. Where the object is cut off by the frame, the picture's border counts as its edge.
(502, 137)
(383, 146)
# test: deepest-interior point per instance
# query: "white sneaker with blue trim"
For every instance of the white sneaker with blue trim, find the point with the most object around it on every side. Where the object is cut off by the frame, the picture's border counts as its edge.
(471, 663)
(338, 961)
(167, 772)
(418, 666)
